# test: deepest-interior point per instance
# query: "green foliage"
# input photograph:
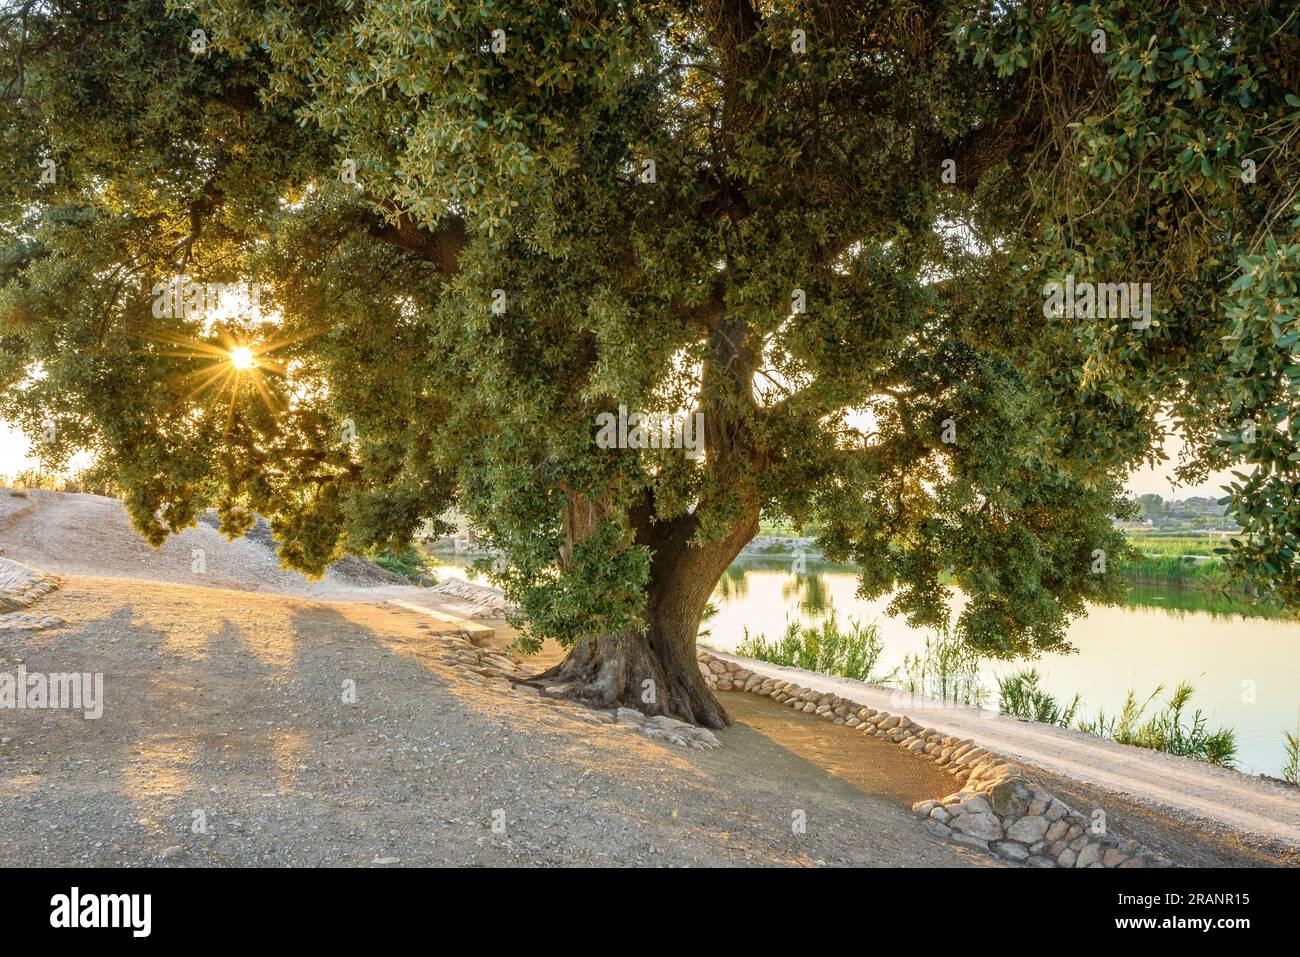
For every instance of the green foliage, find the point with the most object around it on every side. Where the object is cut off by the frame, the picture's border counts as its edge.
(410, 563)
(1165, 730)
(389, 389)
(826, 649)
(1020, 696)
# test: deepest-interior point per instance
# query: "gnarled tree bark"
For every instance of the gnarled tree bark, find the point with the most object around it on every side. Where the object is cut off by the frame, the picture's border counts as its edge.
(655, 670)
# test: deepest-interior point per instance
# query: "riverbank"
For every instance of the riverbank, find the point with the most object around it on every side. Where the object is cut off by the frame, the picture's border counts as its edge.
(1240, 810)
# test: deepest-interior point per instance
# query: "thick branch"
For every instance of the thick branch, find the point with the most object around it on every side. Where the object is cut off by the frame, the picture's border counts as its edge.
(440, 246)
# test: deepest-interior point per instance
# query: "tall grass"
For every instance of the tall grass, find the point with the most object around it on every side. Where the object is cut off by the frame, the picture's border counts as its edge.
(1165, 730)
(1291, 770)
(827, 649)
(1019, 695)
(948, 670)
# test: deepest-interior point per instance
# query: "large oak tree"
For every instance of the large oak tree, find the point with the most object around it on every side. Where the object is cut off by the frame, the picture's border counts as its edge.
(825, 226)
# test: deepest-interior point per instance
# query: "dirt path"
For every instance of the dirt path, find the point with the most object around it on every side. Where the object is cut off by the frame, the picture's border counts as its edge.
(228, 704)
(1225, 804)
(225, 690)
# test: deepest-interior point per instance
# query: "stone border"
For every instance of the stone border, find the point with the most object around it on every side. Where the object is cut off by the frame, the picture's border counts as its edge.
(994, 809)
(21, 586)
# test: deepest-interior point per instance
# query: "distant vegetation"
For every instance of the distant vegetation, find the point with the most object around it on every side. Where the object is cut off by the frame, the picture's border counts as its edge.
(92, 480)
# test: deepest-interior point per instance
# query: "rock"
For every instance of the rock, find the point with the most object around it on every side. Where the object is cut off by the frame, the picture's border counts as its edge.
(1036, 860)
(970, 840)
(1011, 851)
(940, 815)
(976, 805)
(1089, 855)
(1027, 830)
(1056, 830)
(1139, 861)
(717, 667)
(938, 828)
(916, 745)
(1066, 858)
(979, 824)
(1056, 810)
(1036, 808)
(629, 716)
(173, 852)
(703, 737)
(387, 860)
(923, 808)
(1113, 857)
(1011, 798)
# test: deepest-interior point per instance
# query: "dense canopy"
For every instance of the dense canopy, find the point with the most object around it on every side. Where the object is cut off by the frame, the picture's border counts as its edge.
(831, 229)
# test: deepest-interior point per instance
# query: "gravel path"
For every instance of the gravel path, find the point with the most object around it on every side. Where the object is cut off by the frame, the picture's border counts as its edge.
(225, 709)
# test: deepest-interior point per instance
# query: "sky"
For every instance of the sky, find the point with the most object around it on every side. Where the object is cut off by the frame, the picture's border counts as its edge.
(14, 457)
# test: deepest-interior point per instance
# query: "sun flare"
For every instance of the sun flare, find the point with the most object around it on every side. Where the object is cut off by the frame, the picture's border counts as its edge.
(242, 358)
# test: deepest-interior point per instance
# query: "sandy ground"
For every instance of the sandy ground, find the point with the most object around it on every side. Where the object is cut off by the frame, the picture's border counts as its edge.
(91, 535)
(225, 707)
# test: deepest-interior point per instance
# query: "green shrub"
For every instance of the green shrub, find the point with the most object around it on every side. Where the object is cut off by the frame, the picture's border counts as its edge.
(411, 563)
(1020, 696)
(825, 649)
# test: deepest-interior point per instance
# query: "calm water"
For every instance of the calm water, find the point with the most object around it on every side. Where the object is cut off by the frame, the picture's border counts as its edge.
(1229, 652)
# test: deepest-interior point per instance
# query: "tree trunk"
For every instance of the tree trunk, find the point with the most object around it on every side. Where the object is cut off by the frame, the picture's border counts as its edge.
(656, 671)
